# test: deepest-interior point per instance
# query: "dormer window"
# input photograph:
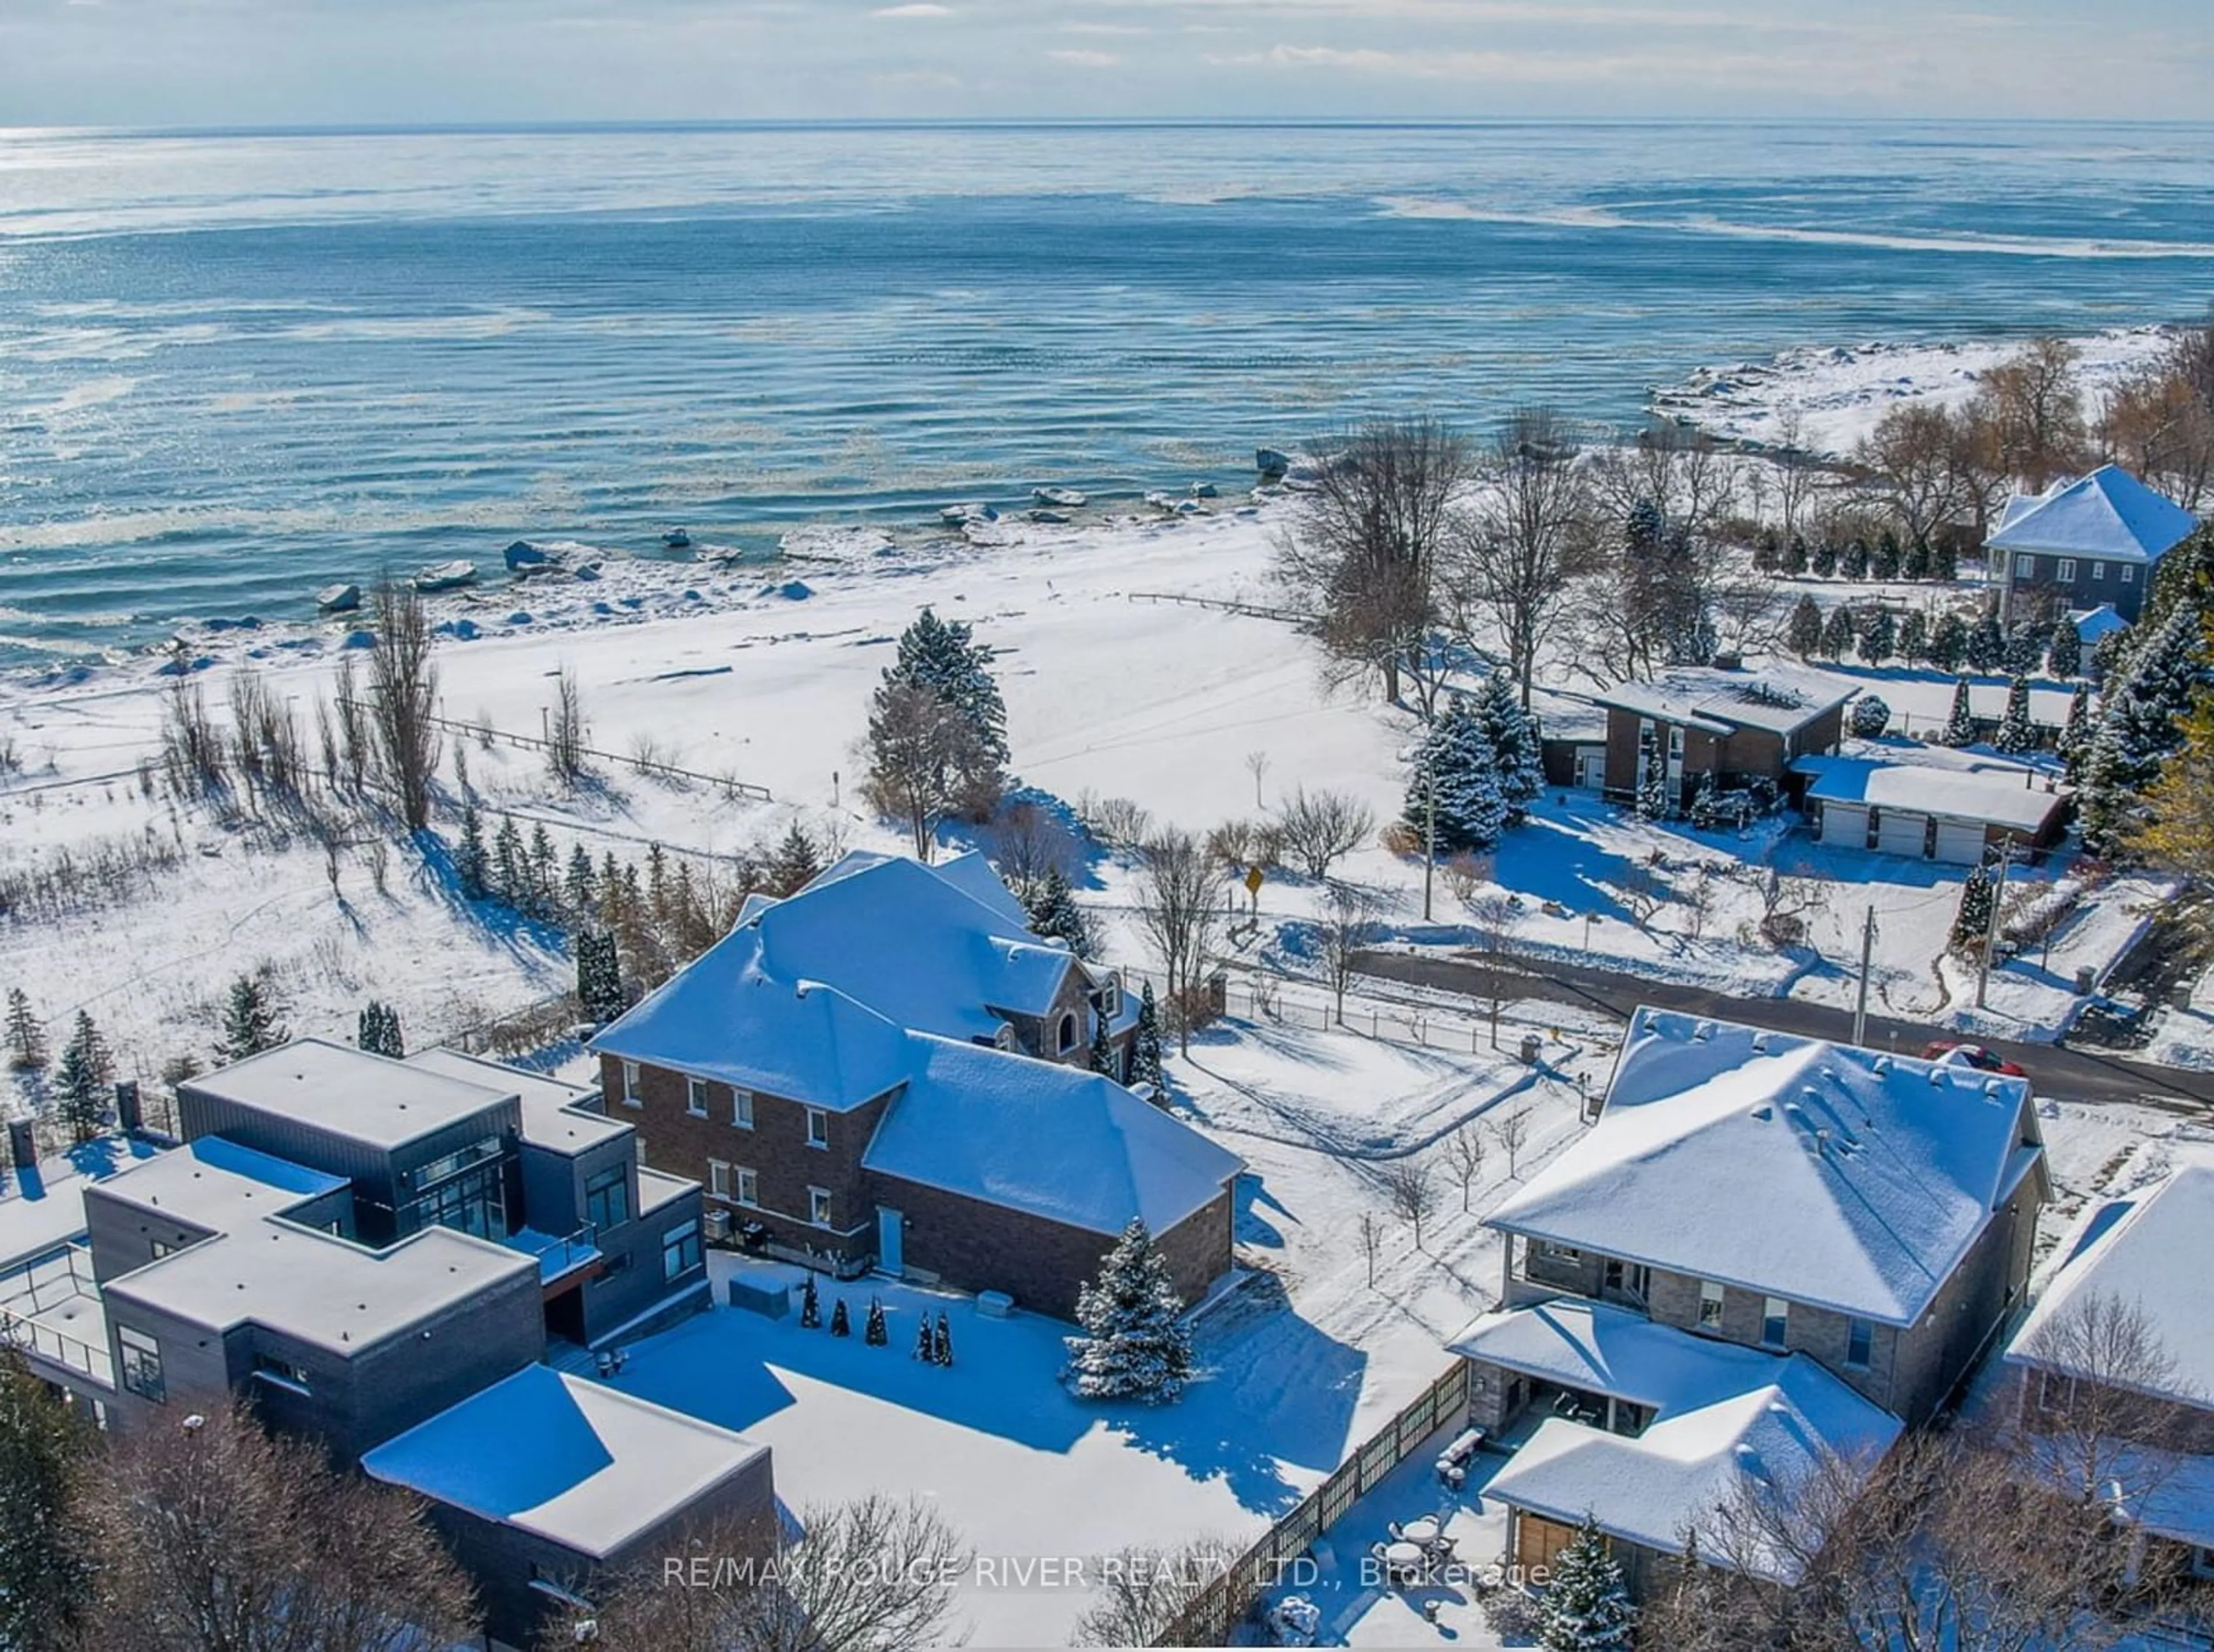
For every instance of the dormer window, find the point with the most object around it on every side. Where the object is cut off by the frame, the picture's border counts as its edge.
(1111, 998)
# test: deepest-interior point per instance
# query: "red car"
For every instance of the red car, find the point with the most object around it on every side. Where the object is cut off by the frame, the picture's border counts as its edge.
(1971, 1055)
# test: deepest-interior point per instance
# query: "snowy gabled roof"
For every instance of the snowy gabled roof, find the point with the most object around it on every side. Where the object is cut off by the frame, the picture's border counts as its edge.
(2092, 623)
(1055, 1142)
(574, 1463)
(1721, 1414)
(2000, 795)
(1777, 697)
(2108, 514)
(1822, 1174)
(973, 875)
(2144, 1250)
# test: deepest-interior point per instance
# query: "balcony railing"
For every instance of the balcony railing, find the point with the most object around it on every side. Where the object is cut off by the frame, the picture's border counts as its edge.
(59, 1282)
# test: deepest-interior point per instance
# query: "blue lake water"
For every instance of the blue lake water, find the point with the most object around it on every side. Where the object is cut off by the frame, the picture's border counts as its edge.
(235, 367)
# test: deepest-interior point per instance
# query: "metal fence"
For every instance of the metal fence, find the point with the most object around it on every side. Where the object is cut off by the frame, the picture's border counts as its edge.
(1207, 1619)
(1259, 997)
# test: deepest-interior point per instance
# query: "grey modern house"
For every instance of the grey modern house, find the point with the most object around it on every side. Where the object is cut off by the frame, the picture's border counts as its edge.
(2084, 543)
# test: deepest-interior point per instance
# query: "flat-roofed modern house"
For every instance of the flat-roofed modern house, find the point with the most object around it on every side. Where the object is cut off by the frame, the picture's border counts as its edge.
(1730, 726)
(2140, 1254)
(1760, 1233)
(885, 1070)
(545, 1486)
(2083, 543)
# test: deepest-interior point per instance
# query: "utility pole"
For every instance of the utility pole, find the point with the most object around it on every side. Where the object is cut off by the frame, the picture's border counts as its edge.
(1991, 934)
(1867, 951)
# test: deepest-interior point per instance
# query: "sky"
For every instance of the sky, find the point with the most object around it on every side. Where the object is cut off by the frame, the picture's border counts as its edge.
(228, 63)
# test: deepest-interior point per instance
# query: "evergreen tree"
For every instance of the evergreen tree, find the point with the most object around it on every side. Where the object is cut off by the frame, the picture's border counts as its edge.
(249, 1022)
(941, 1341)
(1585, 1606)
(1136, 1341)
(1944, 561)
(839, 1324)
(1854, 565)
(599, 975)
(1768, 552)
(1869, 716)
(1826, 559)
(2140, 727)
(81, 1081)
(543, 879)
(511, 876)
(874, 1331)
(1100, 1057)
(1960, 727)
(2064, 651)
(1888, 559)
(1457, 756)
(1054, 915)
(1805, 635)
(1652, 779)
(2076, 733)
(2016, 734)
(945, 657)
(1948, 642)
(1986, 643)
(1146, 1047)
(2025, 649)
(576, 883)
(27, 1035)
(1518, 757)
(379, 1032)
(610, 892)
(1795, 558)
(470, 866)
(796, 863)
(1879, 636)
(925, 1349)
(46, 1575)
(656, 884)
(1971, 922)
(1838, 633)
(810, 1309)
(1918, 560)
(1914, 636)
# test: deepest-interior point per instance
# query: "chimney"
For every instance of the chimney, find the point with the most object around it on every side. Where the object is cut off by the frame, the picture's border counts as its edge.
(130, 1118)
(22, 1145)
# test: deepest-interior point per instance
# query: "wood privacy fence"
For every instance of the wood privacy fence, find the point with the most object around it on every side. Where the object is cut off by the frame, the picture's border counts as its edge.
(1208, 1618)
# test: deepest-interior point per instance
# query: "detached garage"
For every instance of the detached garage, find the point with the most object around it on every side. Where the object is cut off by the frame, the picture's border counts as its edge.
(1931, 811)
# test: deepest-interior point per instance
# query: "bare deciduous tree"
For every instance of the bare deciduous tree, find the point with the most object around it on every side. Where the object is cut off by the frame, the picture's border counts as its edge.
(1026, 843)
(567, 733)
(1178, 912)
(1513, 1132)
(403, 697)
(1371, 1241)
(1464, 1151)
(1320, 827)
(2159, 423)
(1412, 1190)
(2100, 1389)
(1361, 562)
(1517, 554)
(1347, 925)
(1908, 456)
(2033, 401)
(1142, 1592)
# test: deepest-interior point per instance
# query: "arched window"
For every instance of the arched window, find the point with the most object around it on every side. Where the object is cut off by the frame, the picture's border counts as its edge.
(1067, 1031)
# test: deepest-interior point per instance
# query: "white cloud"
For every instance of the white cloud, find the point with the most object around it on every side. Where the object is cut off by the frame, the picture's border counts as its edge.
(1085, 60)
(916, 9)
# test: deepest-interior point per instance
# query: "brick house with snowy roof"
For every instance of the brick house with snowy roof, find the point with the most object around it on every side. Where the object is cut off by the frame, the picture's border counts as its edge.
(1730, 725)
(1768, 1249)
(889, 1070)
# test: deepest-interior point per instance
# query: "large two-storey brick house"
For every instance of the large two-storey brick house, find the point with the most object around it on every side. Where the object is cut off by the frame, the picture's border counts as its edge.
(889, 1070)
(1768, 1248)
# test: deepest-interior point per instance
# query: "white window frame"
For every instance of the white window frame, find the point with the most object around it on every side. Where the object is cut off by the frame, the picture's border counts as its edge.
(718, 1179)
(695, 1096)
(818, 1207)
(1712, 1294)
(1111, 998)
(1556, 1251)
(1775, 1311)
(1861, 1332)
(2066, 572)
(2025, 566)
(630, 1097)
(2098, 568)
(746, 1182)
(818, 1129)
(742, 1109)
(2048, 1383)
(2129, 574)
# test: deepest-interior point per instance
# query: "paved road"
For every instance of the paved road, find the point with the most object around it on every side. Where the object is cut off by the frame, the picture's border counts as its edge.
(2066, 1073)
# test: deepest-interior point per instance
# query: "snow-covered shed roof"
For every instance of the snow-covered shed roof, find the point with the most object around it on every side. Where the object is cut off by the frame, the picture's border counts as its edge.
(1564, 715)
(2144, 1250)
(554, 1114)
(1055, 1142)
(1721, 1414)
(351, 1092)
(2092, 623)
(1778, 699)
(577, 1463)
(2001, 796)
(2108, 514)
(219, 1185)
(1822, 1174)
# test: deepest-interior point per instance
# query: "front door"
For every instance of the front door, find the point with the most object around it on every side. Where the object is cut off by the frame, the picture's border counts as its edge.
(891, 1251)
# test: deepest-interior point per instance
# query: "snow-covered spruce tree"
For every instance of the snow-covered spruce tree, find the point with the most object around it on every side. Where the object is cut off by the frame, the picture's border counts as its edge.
(1795, 557)
(379, 1032)
(938, 705)
(1100, 1056)
(841, 1325)
(27, 1034)
(2140, 727)
(1914, 636)
(249, 1022)
(811, 1305)
(1971, 922)
(874, 1331)
(1986, 643)
(1456, 755)
(1518, 759)
(1879, 636)
(1889, 557)
(2064, 651)
(599, 975)
(1146, 1046)
(946, 658)
(1960, 727)
(1869, 717)
(81, 1080)
(941, 1341)
(1055, 914)
(1948, 642)
(1585, 1606)
(471, 869)
(1824, 561)
(1837, 632)
(1804, 637)
(2025, 649)
(1917, 564)
(1135, 1342)
(1854, 563)
(577, 890)
(510, 866)
(925, 1349)
(2017, 734)
(796, 863)
(1652, 779)
(2076, 733)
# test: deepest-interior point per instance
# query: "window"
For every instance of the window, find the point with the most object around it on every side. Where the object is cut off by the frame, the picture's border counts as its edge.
(718, 1178)
(1560, 1252)
(631, 1097)
(2098, 570)
(1110, 997)
(819, 1127)
(1710, 1306)
(818, 1206)
(2129, 575)
(749, 1187)
(2055, 1392)
(2066, 572)
(1774, 1321)
(283, 1373)
(741, 1109)
(1860, 1344)
(142, 1363)
(695, 1097)
(2202, 1562)
(679, 1251)
(1067, 1037)
(619, 1262)
(1675, 741)
(2025, 567)
(607, 1197)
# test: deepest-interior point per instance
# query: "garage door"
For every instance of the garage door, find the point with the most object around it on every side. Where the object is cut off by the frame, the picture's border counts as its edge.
(1845, 824)
(1959, 843)
(1902, 831)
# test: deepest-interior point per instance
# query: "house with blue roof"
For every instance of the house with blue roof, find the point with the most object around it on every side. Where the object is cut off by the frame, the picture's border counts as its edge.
(2081, 545)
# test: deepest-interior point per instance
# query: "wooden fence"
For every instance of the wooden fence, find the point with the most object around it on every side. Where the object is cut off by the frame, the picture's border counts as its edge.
(1251, 610)
(1208, 1618)
(738, 790)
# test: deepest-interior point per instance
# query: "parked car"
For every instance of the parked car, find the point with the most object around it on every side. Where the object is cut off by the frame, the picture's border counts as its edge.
(1973, 1055)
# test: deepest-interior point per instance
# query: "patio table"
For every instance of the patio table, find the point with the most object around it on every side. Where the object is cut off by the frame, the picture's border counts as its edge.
(1422, 1533)
(1404, 1559)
